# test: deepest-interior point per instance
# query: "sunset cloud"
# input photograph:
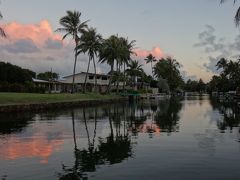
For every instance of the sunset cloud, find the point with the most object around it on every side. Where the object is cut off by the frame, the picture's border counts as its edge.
(38, 33)
(156, 51)
(36, 47)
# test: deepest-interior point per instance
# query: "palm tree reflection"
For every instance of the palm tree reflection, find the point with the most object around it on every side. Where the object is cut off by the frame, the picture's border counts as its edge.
(230, 113)
(110, 150)
(125, 121)
(167, 117)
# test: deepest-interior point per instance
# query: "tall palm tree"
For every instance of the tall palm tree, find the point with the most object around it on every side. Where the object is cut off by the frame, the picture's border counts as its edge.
(150, 59)
(237, 16)
(125, 54)
(72, 26)
(2, 32)
(110, 53)
(91, 43)
(116, 51)
(134, 70)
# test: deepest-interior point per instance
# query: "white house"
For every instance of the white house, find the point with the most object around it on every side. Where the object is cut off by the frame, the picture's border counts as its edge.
(102, 81)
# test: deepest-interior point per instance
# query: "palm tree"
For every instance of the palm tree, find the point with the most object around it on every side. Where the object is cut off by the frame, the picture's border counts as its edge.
(168, 69)
(91, 43)
(116, 51)
(134, 70)
(72, 26)
(2, 32)
(109, 53)
(237, 16)
(125, 54)
(150, 59)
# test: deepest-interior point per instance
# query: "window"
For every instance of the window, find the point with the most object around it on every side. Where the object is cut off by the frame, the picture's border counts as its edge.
(104, 78)
(90, 77)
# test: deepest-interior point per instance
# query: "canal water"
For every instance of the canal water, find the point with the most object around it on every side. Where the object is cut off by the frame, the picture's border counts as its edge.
(193, 138)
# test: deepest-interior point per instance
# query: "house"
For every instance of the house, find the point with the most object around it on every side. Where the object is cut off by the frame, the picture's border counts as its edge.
(52, 86)
(102, 82)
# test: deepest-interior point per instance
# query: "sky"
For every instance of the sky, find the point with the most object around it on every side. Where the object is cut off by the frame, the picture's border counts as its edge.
(197, 33)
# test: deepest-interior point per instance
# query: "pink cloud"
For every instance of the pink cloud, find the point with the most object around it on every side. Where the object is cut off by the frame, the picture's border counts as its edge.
(38, 33)
(156, 51)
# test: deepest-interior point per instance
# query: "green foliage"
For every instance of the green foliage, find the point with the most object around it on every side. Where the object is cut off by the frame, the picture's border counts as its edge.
(154, 84)
(168, 69)
(163, 85)
(47, 76)
(16, 87)
(229, 78)
(13, 74)
(195, 86)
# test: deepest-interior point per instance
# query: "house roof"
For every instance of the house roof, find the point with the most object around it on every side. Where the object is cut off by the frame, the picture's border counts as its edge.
(86, 73)
(44, 81)
(39, 80)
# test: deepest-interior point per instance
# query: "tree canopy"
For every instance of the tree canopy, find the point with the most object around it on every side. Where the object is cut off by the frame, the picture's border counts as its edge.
(169, 69)
(15, 74)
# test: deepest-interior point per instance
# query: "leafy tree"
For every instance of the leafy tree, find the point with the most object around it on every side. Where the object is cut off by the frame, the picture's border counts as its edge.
(72, 26)
(163, 85)
(47, 76)
(229, 78)
(90, 44)
(14, 74)
(169, 69)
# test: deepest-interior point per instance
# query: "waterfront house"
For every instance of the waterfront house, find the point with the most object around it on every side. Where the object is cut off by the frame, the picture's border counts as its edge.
(53, 86)
(102, 81)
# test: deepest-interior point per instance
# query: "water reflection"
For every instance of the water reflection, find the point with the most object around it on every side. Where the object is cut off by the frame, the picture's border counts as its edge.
(21, 137)
(230, 113)
(124, 121)
(110, 150)
(14, 123)
(81, 142)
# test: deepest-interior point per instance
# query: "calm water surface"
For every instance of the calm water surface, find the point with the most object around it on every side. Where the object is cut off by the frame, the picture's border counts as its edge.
(195, 138)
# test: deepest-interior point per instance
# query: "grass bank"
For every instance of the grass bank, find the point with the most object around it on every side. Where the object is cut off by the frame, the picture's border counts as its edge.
(30, 98)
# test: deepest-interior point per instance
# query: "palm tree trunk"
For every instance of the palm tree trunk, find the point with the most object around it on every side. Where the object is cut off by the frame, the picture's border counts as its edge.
(124, 76)
(86, 127)
(95, 128)
(85, 82)
(74, 69)
(118, 73)
(95, 71)
(110, 80)
(74, 132)
(152, 68)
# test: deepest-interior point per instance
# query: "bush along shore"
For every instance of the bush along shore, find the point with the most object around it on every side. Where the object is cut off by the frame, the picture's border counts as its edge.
(10, 102)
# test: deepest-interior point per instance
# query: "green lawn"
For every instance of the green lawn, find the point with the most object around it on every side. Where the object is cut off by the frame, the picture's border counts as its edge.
(30, 98)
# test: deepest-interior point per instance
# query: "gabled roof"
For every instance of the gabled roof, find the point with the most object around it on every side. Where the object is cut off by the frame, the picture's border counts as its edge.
(86, 73)
(39, 80)
(44, 81)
